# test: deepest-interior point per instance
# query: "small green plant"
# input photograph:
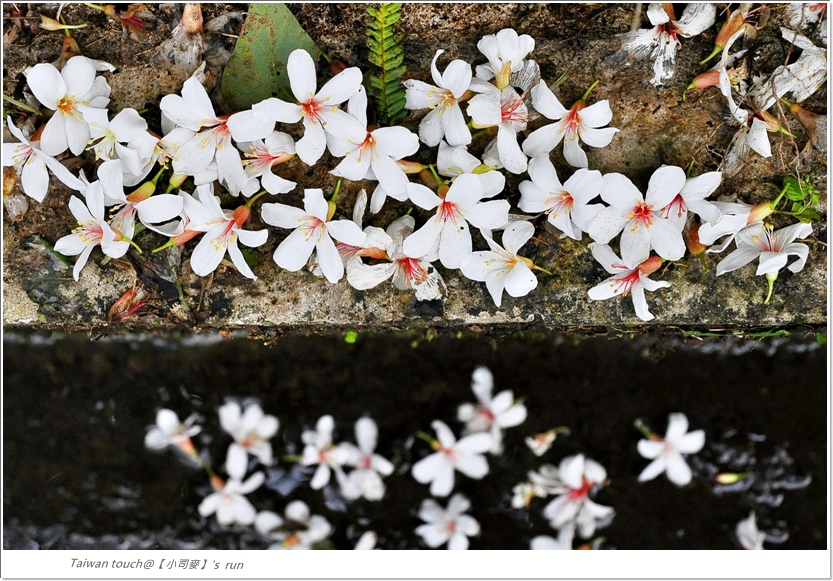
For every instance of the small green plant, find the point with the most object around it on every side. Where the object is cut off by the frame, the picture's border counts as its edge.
(385, 52)
(803, 195)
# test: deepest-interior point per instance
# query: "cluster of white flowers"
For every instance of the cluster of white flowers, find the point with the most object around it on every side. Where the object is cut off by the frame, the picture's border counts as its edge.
(569, 487)
(572, 482)
(251, 431)
(504, 95)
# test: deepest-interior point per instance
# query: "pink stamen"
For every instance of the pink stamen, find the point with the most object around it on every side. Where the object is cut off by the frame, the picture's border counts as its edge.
(668, 210)
(643, 214)
(563, 203)
(579, 493)
(413, 270)
(509, 112)
(626, 282)
(448, 211)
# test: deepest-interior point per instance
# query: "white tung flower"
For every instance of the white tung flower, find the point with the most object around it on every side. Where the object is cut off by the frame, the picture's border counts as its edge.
(503, 269)
(264, 154)
(221, 235)
(567, 206)
(748, 535)
(693, 197)
(445, 120)
(456, 161)
(366, 478)
(448, 230)
(490, 414)
(662, 41)
(577, 478)
(407, 273)
(506, 52)
(66, 92)
(31, 165)
(110, 134)
(638, 219)
(667, 453)
(772, 248)
(465, 455)
(449, 525)
(193, 110)
(93, 230)
(507, 111)
(579, 121)
(169, 431)
(314, 229)
(298, 529)
(229, 498)
(319, 110)
(320, 451)
(251, 430)
(628, 278)
(373, 153)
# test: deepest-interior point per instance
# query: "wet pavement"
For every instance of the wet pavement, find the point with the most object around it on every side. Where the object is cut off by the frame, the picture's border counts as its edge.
(77, 475)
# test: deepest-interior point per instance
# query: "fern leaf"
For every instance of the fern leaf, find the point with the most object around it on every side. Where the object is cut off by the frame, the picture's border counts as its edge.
(386, 54)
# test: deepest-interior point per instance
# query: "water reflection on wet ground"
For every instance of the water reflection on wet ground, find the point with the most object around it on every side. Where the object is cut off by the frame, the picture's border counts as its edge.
(77, 474)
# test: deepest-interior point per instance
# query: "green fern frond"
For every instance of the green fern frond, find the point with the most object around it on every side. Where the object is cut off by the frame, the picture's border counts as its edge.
(385, 52)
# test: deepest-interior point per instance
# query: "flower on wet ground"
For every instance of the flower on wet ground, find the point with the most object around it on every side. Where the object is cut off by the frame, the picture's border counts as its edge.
(222, 232)
(502, 268)
(465, 455)
(692, 197)
(150, 209)
(66, 92)
(298, 529)
(314, 229)
(229, 497)
(110, 135)
(373, 153)
(169, 431)
(455, 161)
(448, 230)
(564, 542)
(367, 542)
(264, 154)
(580, 121)
(507, 111)
(213, 142)
(447, 525)
(577, 478)
(748, 535)
(365, 480)
(662, 41)
(638, 218)
(92, 230)
(539, 444)
(567, 206)
(408, 273)
(31, 165)
(734, 217)
(628, 278)
(772, 247)
(251, 430)
(318, 109)
(505, 52)
(667, 453)
(445, 118)
(320, 451)
(490, 414)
